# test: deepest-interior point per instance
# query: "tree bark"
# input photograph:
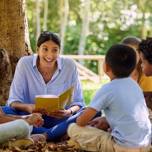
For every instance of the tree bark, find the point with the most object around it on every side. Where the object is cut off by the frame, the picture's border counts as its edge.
(12, 41)
(85, 26)
(45, 15)
(38, 25)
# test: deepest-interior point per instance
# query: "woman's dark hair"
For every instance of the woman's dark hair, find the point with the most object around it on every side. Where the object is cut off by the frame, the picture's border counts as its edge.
(146, 48)
(122, 60)
(46, 36)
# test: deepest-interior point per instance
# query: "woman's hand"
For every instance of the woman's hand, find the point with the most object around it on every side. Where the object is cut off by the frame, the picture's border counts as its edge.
(100, 123)
(35, 119)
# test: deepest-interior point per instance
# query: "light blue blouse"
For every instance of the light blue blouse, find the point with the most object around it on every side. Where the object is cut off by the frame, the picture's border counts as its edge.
(28, 82)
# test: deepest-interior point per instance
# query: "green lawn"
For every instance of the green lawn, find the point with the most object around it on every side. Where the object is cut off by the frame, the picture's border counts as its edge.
(90, 88)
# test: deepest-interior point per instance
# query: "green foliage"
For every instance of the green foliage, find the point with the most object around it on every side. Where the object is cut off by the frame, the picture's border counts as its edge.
(72, 40)
(90, 88)
(110, 22)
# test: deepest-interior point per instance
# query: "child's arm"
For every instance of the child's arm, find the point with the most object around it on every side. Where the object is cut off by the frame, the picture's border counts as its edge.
(6, 118)
(86, 116)
(34, 119)
(100, 123)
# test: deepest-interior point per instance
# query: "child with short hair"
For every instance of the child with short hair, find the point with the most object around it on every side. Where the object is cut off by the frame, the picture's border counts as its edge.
(145, 48)
(124, 106)
(133, 42)
(145, 82)
(18, 127)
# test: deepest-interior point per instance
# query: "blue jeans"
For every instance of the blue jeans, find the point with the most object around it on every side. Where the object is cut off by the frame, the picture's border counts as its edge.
(55, 128)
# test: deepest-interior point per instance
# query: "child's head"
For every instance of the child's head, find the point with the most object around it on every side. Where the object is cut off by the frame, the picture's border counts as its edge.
(131, 41)
(121, 59)
(145, 48)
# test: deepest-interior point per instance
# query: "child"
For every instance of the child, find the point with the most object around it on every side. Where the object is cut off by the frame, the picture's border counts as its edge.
(17, 127)
(144, 82)
(145, 48)
(124, 106)
(133, 42)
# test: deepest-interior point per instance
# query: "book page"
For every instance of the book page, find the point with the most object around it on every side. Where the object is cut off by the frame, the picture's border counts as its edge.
(51, 103)
(65, 98)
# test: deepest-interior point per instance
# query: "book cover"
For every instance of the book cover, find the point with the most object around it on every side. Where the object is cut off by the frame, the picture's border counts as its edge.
(52, 103)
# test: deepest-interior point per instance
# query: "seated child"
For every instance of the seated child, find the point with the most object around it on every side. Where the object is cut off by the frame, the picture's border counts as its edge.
(145, 82)
(17, 127)
(145, 48)
(124, 106)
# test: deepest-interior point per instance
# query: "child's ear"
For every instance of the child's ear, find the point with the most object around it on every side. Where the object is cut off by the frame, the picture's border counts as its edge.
(107, 68)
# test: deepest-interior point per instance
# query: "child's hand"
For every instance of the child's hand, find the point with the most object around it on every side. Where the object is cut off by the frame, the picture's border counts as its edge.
(35, 119)
(100, 123)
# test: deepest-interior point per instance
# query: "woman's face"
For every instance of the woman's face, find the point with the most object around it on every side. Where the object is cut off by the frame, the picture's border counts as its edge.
(48, 53)
(145, 65)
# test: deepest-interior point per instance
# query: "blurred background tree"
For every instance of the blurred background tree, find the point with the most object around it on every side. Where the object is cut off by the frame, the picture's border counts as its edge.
(89, 26)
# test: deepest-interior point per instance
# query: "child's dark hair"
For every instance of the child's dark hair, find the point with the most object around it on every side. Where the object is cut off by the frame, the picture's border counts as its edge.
(46, 36)
(146, 48)
(131, 40)
(122, 60)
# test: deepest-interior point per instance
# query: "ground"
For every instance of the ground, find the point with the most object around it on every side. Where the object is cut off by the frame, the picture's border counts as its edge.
(45, 147)
(42, 147)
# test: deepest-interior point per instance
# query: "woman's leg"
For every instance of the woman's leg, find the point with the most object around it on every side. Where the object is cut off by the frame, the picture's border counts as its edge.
(12, 111)
(60, 129)
(57, 128)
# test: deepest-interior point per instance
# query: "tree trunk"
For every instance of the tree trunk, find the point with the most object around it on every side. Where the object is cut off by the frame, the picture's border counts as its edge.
(12, 41)
(28, 48)
(64, 12)
(85, 26)
(38, 25)
(141, 4)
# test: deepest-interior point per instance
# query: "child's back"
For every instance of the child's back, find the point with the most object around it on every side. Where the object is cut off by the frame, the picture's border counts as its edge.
(124, 106)
(125, 110)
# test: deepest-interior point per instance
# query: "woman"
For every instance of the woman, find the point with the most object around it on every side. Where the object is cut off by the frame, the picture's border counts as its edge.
(45, 73)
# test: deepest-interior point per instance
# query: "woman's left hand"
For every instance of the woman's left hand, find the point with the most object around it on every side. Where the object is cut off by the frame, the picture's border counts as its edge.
(60, 113)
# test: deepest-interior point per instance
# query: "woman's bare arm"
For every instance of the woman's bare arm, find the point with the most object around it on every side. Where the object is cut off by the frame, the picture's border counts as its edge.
(23, 107)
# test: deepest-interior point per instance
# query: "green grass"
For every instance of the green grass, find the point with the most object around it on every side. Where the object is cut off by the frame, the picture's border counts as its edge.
(90, 88)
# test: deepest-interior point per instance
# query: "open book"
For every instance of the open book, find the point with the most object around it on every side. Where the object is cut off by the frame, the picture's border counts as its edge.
(52, 103)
